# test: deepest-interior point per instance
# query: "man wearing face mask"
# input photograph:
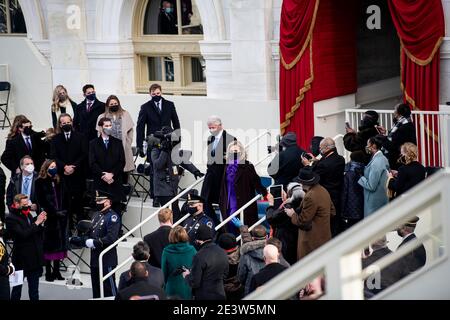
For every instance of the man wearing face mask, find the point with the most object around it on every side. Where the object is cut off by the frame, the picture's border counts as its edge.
(285, 165)
(154, 114)
(194, 206)
(107, 161)
(167, 20)
(28, 254)
(217, 144)
(330, 168)
(70, 151)
(104, 231)
(23, 183)
(23, 140)
(87, 112)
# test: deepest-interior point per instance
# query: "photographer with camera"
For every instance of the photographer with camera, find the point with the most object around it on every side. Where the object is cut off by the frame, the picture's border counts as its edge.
(103, 231)
(287, 163)
(167, 173)
(155, 114)
(52, 198)
(283, 228)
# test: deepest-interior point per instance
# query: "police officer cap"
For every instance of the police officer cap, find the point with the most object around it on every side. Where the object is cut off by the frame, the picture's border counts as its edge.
(204, 233)
(412, 222)
(102, 195)
(194, 198)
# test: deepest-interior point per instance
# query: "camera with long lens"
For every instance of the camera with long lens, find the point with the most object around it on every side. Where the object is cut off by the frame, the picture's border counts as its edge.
(78, 241)
(276, 147)
(165, 136)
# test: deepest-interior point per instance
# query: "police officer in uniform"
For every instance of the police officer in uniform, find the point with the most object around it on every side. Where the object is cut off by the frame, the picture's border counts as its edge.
(103, 232)
(194, 206)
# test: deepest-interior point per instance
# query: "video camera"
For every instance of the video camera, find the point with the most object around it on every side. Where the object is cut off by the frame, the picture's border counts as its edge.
(165, 136)
(78, 241)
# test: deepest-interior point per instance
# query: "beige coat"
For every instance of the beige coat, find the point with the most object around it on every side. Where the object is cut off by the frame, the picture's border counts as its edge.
(127, 138)
(316, 210)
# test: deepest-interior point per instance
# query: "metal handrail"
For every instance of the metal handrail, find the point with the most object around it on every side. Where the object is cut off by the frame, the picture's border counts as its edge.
(340, 259)
(139, 225)
(100, 258)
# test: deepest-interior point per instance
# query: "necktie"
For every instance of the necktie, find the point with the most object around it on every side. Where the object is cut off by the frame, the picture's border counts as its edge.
(26, 184)
(89, 106)
(106, 143)
(67, 136)
(213, 147)
(158, 107)
(27, 141)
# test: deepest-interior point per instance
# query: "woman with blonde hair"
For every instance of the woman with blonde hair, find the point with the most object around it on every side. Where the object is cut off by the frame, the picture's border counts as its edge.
(239, 183)
(177, 254)
(61, 103)
(410, 173)
(122, 129)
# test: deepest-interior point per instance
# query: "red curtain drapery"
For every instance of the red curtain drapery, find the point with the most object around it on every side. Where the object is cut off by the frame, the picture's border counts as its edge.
(296, 67)
(318, 59)
(420, 26)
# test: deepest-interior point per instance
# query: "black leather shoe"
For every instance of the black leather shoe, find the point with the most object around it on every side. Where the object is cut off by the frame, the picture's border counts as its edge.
(49, 277)
(58, 276)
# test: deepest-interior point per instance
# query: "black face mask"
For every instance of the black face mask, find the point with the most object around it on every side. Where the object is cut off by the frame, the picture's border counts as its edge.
(156, 98)
(99, 206)
(27, 131)
(192, 210)
(66, 128)
(114, 108)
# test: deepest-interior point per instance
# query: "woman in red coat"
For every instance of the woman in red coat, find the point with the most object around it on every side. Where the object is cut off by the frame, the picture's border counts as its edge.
(239, 184)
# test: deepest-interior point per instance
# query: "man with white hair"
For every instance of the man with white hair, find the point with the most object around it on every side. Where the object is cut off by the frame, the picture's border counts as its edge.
(271, 270)
(218, 142)
(330, 168)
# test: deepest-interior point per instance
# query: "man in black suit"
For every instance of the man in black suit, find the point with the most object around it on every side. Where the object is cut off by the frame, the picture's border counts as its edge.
(218, 142)
(107, 160)
(141, 253)
(416, 258)
(167, 20)
(23, 183)
(285, 165)
(28, 254)
(159, 239)
(70, 151)
(330, 168)
(155, 114)
(87, 112)
(139, 286)
(25, 142)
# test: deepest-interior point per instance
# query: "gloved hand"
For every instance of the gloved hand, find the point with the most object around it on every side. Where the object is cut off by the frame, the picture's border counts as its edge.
(198, 174)
(237, 223)
(90, 243)
(141, 152)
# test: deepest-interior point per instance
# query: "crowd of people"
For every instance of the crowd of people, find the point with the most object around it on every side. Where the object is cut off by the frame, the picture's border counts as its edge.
(68, 189)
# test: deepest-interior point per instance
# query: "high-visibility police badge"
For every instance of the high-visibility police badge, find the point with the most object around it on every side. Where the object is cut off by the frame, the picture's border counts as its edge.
(209, 224)
(114, 218)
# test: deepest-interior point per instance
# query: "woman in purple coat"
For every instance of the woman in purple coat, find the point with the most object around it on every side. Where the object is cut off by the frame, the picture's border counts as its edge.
(239, 184)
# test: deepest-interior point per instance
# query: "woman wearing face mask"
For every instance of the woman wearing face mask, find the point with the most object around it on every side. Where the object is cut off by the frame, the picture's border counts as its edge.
(61, 103)
(410, 173)
(22, 140)
(122, 129)
(51, 196)
(239, 184)
(375, 178)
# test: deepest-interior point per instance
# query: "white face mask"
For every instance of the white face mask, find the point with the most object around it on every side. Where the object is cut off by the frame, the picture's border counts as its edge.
(29, 168)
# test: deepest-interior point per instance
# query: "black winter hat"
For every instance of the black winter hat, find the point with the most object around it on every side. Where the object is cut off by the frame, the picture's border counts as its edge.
(227, 241)
(204, 233)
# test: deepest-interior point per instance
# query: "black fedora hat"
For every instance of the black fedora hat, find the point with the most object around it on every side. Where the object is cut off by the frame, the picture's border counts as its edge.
(307, 177)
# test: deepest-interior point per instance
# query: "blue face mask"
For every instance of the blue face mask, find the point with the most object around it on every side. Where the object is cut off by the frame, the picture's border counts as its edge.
(91, 96)
(168, 10)
(52, 171)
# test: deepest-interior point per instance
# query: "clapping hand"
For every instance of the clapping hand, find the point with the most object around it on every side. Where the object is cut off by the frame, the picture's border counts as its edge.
(41, 218)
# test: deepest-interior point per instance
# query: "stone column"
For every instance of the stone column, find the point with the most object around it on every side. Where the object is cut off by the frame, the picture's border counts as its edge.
(251, 49)
(445, 57)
